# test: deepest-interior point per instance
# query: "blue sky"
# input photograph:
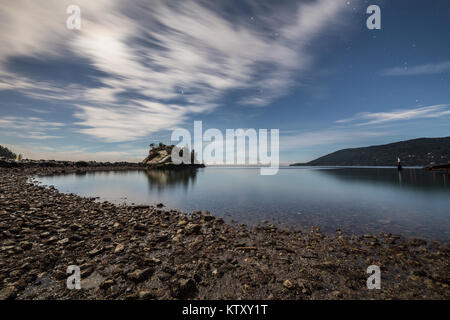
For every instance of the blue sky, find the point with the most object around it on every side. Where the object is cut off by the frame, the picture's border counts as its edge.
(138, 69)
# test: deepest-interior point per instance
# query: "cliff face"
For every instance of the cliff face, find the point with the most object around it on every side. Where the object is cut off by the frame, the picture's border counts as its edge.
(416, 152)
(161, 157)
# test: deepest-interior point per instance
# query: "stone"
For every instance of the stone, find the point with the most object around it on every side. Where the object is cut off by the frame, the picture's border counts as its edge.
(8, 293)
(119, 248)
(140, 275)
(184, 288)
(107, 284)
(64, 241)
(96, 251)
(140, 226)
(192, 228)
(76, 226)
(152, 261)
(25, 245)
(146, 294)
(288, 284)
(177, 238)
(208, 217)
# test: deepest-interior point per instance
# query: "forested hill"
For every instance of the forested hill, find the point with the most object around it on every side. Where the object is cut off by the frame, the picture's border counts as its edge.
(416, 152)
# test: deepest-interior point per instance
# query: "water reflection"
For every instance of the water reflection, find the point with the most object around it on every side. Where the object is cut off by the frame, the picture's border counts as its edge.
(419, 180)
(169, 179)
(361, 200)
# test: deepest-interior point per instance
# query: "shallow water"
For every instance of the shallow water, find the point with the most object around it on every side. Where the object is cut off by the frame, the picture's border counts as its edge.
(412, 202)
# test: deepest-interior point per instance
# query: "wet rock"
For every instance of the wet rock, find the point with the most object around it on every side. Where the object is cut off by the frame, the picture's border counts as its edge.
(75, 238)
(140, 275)
(8, 293)
(208, 217)
(107, 284)
(417, 242)
(25, 245)
(147, 294)
(184, 288)
(119, 248)
(86, 269)
(152, 261)
(96, 251)
(192, 228)
(288, 284)
(140, 226)
(63, 241)
(76, 226)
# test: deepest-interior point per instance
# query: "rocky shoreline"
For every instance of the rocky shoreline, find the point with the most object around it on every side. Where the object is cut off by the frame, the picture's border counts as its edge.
(149, 252)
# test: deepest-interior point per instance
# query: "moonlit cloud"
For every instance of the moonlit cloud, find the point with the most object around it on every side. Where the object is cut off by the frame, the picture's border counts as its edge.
(424, 69)
(30, 127)
(327, 137)
(161, 62)
(371, 118)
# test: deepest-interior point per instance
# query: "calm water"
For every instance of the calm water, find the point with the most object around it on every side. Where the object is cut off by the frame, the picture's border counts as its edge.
(361, 200)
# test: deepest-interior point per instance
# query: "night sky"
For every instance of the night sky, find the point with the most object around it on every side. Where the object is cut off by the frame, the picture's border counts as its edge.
(138, 69)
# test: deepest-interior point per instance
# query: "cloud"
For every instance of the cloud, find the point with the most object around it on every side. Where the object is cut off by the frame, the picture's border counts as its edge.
(424, 69)
(326, 137)
(163, 61)
(30, 127)
(370, 118)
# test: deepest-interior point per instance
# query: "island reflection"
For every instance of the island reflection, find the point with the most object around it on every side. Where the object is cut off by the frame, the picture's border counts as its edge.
(170, 179)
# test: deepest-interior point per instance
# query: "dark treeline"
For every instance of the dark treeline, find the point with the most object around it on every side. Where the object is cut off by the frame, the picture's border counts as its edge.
(6, 153)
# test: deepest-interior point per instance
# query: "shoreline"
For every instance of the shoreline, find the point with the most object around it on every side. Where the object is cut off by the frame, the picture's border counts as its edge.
(149, 252)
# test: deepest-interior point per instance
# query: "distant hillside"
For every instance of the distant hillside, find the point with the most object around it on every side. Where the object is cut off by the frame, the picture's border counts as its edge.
(6, 153)
(416, 152)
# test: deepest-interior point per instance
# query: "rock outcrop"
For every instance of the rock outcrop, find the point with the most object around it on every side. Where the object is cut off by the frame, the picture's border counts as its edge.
(161, 157)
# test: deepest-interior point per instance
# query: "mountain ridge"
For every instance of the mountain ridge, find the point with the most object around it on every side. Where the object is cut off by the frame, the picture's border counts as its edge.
(414, 152)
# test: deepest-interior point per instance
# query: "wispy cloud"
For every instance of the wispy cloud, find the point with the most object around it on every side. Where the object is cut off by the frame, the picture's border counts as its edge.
(327, 137)
(179, 58)
(424, 69)
(371, 118)
(30, 127)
